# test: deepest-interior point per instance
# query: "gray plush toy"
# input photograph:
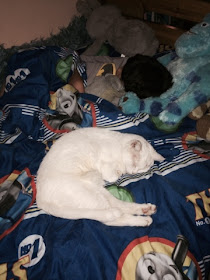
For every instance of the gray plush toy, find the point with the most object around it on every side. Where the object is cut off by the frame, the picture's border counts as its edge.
(127, 36)
(108, 87)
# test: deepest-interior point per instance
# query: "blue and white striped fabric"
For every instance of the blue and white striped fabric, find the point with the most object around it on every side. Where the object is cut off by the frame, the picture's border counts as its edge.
(35, 245)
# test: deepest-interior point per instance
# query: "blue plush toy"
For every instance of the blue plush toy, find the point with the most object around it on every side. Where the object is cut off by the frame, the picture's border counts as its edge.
(190, 68)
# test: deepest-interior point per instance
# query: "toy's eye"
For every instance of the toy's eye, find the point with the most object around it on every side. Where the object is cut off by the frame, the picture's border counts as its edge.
(204, 24)
(66, 106)
(151, 269)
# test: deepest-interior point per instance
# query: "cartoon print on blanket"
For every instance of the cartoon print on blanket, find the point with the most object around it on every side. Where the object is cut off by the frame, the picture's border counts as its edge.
(193, 142)
(158, 258)
(157, 251)
(68, 112)
(190, 68)
(179, 186)
(17, 193)
(26, 98)
(36, 108)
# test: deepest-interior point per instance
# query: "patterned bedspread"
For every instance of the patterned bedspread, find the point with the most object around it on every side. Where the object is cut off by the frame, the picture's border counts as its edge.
(35, 245)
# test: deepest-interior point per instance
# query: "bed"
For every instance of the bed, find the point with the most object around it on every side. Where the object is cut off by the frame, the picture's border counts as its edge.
(35, 245)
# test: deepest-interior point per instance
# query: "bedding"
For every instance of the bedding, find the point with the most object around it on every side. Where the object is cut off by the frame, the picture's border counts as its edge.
(35, 245)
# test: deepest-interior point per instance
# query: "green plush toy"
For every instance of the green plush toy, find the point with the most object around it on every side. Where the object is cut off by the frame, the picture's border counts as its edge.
(190, 68)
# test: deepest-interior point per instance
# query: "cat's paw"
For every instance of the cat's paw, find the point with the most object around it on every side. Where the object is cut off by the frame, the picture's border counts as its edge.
(113, 214)
(110, 174)
(130, 220)
(149, 209)
(114, 177)
(146, 222)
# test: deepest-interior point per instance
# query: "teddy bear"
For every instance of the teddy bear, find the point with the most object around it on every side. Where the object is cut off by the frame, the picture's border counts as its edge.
(189, 65)
(202, 116)
(106, 24)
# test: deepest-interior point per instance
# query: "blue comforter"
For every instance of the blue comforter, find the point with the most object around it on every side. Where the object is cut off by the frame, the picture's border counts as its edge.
(35, 245)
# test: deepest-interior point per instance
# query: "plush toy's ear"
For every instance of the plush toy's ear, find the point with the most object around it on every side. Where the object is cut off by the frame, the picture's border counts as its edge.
(203, 127)
(85, 7)
(198, 112)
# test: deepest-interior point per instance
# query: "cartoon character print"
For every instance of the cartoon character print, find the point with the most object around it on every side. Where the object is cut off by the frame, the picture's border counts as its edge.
(68, 114)
(191, 141)
(153, 258)
(154, 265)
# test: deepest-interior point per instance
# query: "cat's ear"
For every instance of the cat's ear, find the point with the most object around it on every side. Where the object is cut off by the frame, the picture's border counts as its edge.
(135, 148)
(157, 156)
(136, 145)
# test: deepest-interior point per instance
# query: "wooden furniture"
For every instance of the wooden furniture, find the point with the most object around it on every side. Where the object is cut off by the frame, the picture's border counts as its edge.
(192, 11)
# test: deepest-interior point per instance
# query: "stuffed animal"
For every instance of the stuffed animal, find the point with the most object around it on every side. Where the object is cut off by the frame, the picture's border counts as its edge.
(108, 87)
(190, 68)
(103, 80)
(129, 103)
(127, 36)
(202, 115)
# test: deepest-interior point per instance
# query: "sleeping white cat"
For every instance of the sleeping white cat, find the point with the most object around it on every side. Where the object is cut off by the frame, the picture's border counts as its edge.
(70, 179)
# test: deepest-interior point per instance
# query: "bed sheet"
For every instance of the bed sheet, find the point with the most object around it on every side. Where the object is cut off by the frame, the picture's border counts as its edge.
(35, 245)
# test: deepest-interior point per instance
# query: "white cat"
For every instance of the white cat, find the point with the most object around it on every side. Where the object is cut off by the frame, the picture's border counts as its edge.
(70, 179)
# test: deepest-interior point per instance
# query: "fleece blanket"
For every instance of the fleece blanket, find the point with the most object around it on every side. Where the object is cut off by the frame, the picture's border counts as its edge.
(35, 245)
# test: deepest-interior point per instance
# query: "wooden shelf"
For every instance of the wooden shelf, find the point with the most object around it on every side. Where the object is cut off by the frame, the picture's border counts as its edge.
(189, 10)
(166, 34)
(192, 10)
